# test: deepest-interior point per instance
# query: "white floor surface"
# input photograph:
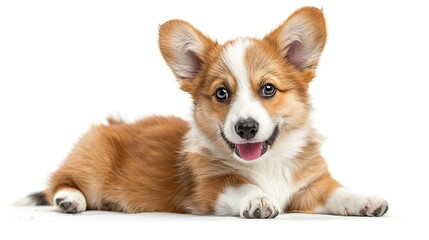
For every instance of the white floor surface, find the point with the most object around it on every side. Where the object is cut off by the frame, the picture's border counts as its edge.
(47, 223)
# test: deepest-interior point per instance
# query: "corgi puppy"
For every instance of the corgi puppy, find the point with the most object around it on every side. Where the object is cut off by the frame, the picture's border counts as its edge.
(250, 151)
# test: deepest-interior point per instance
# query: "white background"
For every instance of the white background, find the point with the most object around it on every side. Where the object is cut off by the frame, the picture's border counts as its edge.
(65, 65)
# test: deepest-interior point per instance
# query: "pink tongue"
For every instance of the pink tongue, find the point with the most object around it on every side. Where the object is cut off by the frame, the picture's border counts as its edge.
(250, 151)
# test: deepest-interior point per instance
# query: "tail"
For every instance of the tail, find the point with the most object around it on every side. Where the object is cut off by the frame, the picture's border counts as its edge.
(35, 199)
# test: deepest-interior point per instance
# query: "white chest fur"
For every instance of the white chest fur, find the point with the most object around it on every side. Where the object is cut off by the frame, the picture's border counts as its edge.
(271, 176)
(275, 178)
(274, 174)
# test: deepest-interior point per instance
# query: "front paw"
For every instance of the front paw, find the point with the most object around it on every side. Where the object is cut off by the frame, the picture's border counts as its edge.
(346, 203)
(372, 206)
(259, 207)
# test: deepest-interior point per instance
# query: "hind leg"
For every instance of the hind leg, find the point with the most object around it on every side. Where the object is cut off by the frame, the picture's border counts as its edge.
(65, 193)
(69, 200)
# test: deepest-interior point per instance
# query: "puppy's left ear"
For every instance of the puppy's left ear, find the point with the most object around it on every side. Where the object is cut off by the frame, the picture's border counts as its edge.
(301, 38)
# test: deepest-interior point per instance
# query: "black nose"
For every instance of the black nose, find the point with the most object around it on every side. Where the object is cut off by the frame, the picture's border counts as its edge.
(247, 128)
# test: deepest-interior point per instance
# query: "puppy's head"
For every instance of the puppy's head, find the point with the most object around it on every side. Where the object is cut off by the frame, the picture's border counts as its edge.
(248, 93)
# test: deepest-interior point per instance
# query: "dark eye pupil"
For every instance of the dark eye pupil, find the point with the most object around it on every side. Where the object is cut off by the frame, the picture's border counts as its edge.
(222, 94)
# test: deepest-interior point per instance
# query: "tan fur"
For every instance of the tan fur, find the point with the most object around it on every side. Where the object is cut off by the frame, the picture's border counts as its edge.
(127, 166)
(144, 166)
(312, 170)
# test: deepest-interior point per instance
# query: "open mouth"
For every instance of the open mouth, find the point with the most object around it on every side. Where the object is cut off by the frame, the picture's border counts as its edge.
(251, 150)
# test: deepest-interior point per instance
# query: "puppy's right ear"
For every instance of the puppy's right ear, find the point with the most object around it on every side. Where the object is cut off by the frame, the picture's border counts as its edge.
(183, 48)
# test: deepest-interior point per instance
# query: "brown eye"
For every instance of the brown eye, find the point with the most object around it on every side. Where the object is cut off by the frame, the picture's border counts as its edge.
(222, 94)
(268, 90)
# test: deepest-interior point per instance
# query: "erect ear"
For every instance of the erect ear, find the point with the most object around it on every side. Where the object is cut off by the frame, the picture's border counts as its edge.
(301, 38)
(183, 48)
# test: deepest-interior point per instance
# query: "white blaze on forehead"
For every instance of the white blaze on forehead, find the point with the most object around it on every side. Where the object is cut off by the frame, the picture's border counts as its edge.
(233, 56)
(245, 104)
